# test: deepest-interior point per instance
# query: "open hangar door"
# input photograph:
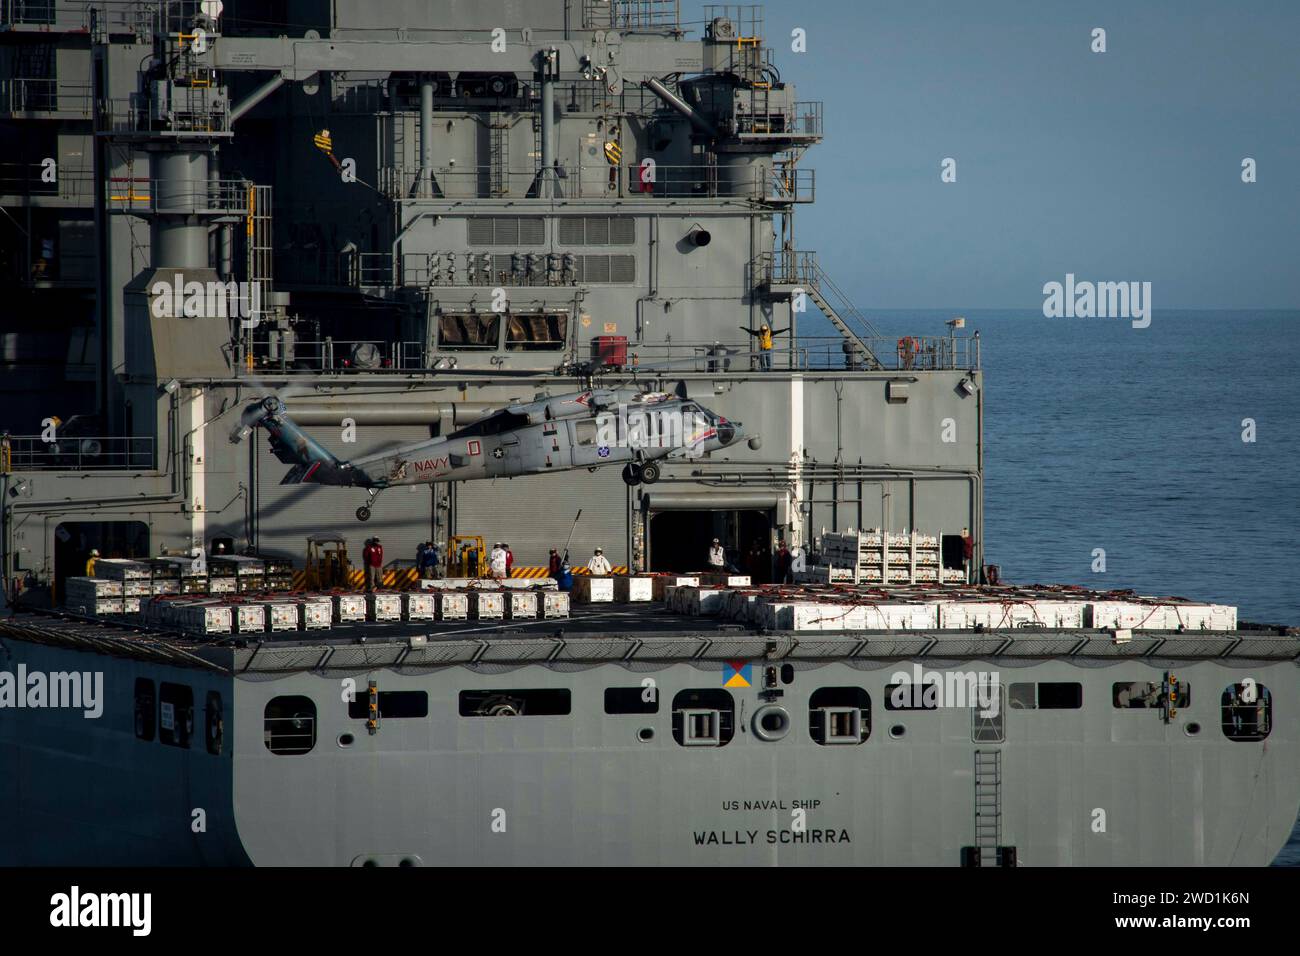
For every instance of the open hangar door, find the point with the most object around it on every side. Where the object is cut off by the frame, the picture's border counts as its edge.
(533, 513)
(681, 527)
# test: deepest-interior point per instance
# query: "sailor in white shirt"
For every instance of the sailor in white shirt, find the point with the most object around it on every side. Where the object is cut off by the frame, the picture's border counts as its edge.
(599, 564)
(717, 557)
(497, 561)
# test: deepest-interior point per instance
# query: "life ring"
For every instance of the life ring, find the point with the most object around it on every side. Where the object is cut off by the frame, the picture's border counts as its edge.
(771, 722)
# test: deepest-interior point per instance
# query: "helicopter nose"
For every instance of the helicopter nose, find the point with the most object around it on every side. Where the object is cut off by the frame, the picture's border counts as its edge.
(728, 432)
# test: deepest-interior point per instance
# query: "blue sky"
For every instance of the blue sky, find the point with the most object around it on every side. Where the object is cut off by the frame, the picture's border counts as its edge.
(1123, 165)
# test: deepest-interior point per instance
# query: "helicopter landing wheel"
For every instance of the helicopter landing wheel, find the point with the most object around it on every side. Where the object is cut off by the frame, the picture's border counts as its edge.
(631, 475)
(649, 473)
(363, 513)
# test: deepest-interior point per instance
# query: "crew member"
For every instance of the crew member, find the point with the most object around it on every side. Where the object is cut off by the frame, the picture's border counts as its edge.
(599, 564)
(90, 563)
(372, 556)
(967, 552)
(783, 562)
(764, 336)
(497, 561)
(717, 556)
(510, 558)
(429, 561)
(554, 565)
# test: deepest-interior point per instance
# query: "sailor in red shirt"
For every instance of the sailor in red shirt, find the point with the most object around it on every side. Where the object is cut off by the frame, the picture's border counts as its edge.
(372, 556)
(510, 558)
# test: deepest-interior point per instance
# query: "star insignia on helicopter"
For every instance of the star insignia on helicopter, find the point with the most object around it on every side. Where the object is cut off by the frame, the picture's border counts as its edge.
(498, 453)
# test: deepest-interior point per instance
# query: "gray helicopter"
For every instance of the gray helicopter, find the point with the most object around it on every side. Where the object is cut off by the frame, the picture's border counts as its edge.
(591, 429)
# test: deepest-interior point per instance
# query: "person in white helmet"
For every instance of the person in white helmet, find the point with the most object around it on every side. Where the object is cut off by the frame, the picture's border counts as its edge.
(497, 561)
(717, 556)
(599, 564)
(90, 562)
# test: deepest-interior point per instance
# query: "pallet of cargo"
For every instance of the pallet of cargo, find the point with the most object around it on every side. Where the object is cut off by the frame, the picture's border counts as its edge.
(420, 605)
(384, 606)
(453, 605)
(555, 604)
(590, 589)
(521, 605)
(632, 588)
(487, 605)
(250, 618)
(349, 608)
(122, 569)
(661, 582)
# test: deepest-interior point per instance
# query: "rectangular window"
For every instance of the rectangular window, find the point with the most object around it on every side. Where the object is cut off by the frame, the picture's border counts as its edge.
(542, 702)
(1139, 695)
(462, 332)
(537, 332)
(631, 700)
(392, 704)
(175, 714)
(1047, 695)
(911, 697)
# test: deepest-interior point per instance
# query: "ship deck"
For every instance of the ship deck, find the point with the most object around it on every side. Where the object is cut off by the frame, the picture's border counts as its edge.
(622, 633)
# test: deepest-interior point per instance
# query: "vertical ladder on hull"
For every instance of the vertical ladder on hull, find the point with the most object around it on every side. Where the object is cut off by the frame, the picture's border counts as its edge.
(988, 806)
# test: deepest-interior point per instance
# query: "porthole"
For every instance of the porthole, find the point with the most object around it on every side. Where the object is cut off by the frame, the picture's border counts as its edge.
(346, 740)
(645, 734)
(897, 731)
(1192, 729)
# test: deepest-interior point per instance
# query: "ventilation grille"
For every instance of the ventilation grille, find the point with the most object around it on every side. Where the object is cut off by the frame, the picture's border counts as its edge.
(507, 231)
(596, 231)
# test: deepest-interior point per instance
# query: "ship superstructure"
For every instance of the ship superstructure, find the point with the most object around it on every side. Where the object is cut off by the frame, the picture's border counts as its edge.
(390, 225)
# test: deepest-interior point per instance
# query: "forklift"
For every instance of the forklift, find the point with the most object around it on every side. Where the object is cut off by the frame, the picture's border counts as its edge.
(327, 562)
(466, 556)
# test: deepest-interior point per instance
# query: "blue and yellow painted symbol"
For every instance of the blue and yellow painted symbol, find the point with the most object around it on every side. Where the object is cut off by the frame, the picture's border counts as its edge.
(736, 674)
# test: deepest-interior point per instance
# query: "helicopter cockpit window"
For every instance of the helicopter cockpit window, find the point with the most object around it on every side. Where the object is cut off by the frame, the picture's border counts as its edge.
(492, 425)
(457, 332)
(586, 430)
(537, 332)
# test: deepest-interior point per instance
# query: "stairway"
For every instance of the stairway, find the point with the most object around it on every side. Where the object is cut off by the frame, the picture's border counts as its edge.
(800, 270)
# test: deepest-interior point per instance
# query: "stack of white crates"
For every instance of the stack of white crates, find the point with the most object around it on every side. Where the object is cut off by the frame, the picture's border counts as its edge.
(874, 556)
(92, 596)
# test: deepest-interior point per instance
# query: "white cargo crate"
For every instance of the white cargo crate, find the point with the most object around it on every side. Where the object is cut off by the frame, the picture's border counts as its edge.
(1161, 617)
(202, 618)
(250, 618)
(122, 569)
(813, 616)
(420, 605)
(521, 605)
(282, 615)
(96, 587)
(900, 617)
(385, 607)
(664, 581)
(222, 585)
(1010, 614)
(130, 605)
(633, 588)
(134, 587)
(487, 605)
(100, 606)
(166, 586)
(592, 590)
(724, 580)
(699, 601)
(453, 606)
(555, 604)
(317, 613)
(349, 608)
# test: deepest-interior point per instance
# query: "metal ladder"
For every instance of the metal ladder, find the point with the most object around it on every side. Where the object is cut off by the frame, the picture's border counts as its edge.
(499, 156)
(988, 805)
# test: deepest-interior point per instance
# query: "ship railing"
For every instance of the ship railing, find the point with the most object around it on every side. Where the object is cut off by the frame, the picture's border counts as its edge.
(289, 735)
(26, 12)
(631, 15)
(194, 112)
(781, 184)
(75, 184)
(218, 197)
(79, 453)
(275, 352)
(811, 353)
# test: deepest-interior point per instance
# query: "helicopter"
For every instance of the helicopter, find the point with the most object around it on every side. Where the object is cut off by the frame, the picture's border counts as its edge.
(593, 428)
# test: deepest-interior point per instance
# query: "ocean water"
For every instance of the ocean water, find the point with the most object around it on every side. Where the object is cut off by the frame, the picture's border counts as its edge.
(1102, 436)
